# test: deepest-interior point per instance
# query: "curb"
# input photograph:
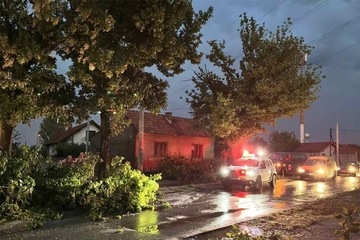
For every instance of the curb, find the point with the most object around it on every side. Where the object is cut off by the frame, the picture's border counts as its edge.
(185, 185)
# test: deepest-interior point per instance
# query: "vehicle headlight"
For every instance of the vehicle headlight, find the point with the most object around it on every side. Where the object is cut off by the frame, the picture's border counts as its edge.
(224, 172)
(351, 169)
(321, 171)
(338, 168)
(300, 170)
(250, 173)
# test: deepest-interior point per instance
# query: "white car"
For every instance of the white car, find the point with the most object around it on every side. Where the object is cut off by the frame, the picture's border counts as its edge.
(249, 171)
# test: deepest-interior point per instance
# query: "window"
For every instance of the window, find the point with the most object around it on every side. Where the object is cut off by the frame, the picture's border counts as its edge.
(197, 151)
(268, 163)
(262, 165)
(91, 134)
(160, 149)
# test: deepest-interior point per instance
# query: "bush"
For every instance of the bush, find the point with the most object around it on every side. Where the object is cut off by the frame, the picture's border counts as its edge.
(64, 149)
(64, 182)
(17, 182)
(119, 190)
(182, 169)
(35, 189)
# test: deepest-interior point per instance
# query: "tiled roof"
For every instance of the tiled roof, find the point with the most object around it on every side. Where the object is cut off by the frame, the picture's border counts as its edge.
(159, 124)
(347, 150)
(69, 132)
(312, 147)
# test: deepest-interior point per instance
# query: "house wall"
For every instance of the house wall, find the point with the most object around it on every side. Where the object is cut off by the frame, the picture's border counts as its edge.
(80, 137)
(126, 145)
(325, 152)
(181, 146)
(122, 145)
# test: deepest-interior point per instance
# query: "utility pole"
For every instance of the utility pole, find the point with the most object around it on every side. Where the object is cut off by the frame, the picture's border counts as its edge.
(337, 145)
(87, 136)
(141, 137)
(302, 118)
(331, 140)
(38, 137)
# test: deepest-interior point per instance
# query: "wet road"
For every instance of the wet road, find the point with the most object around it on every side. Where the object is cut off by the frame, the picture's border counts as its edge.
(213, 207)
(200, 209)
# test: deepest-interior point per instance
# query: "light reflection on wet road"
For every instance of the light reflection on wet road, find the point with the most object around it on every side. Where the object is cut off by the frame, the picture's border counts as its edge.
(219, 208)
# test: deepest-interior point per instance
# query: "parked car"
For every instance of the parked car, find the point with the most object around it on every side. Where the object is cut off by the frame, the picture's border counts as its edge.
(249, 171)
(319, 168)
(287, 163)
(348, 169)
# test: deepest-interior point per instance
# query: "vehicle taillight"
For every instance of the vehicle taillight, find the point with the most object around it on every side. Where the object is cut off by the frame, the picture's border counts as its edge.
(242, 173)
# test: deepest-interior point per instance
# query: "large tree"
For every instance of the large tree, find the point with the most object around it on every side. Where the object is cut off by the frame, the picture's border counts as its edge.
(283, 141)
(29, 85)
(111, 42)
(235, 104)
(48, 128)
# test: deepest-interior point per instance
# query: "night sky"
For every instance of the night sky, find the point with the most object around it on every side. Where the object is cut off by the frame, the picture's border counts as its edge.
(331, 26)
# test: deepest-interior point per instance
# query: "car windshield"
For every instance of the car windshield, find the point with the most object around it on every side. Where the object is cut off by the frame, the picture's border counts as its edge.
(314, 162)
(346, 164)
(246, 162)
(276, 156)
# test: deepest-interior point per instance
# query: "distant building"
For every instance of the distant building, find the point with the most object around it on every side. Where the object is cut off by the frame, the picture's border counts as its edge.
(76, 134)
(348, 154)
(317, 149)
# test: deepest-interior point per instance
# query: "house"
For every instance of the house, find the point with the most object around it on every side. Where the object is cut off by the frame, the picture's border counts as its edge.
(76, 134)
(163, 134)
(316, 149)
(348, 154)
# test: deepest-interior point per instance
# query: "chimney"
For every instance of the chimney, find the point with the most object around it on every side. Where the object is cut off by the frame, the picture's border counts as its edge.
(168, 117)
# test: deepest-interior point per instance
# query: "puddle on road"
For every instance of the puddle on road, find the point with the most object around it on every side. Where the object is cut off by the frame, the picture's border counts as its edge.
(147, 222)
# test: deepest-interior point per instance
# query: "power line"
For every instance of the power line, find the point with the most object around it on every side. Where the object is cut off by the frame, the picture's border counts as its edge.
(256, 20)
(259, 19)
(345, 130)
(313, 41)
(224, 30)
(272, 9)
(178, 108)
(331, 55)
(334, 30)
(311, 11)
(237, 19)
(305, 15)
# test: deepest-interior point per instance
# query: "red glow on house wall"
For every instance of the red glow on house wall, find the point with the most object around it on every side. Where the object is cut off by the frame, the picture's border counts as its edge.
(178, 146)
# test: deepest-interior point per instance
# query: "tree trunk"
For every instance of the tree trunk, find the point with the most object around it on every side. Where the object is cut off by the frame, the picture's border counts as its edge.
(104, 140)
(5, 137)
